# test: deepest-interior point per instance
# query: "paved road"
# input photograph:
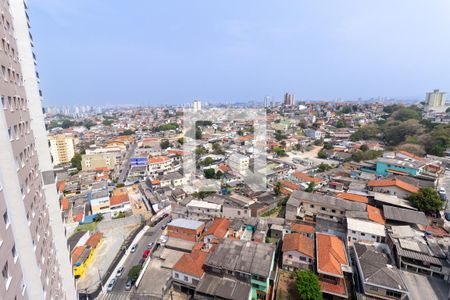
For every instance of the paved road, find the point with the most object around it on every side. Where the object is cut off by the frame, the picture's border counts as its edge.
(152, 235)
(126, 164)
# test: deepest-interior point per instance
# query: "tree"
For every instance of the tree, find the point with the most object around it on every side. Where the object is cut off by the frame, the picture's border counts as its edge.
(168, 126)
(209, 173)
(66, 123)
(199, 151)
(76, 161)
(128, 132)
(310, 187)
(308, 286)
(107, 122)
(364, 148)
(324, 167)
(181, 140)
(217, 149)
(279, 151)
(341, 124)
(88, 123)
(322, 154)
(134, 272)
(426, 200)
(207, 161)
(277, 188)
(327, 146)
(164, 144)
(346, 110)
(279, 135)
(406, 113)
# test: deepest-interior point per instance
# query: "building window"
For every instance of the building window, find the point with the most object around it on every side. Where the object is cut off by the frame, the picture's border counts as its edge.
(14, 253)
(186, 278)
(6, 219)
(393, 294)
(5, 274)
(176, 275)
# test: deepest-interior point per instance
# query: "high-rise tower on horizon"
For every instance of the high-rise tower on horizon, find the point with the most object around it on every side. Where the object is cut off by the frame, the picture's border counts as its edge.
(34, 257)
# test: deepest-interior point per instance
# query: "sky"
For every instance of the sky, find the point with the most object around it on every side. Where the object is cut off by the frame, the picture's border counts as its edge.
(110, 52)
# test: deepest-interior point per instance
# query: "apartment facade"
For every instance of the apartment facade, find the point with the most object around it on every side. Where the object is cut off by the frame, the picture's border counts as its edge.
(92, 162)
(34, 259)
(61, 148)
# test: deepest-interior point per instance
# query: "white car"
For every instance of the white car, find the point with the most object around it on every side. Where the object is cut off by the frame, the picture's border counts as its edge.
(442, 190)
(133, 248)
(120, 271)
(111, 285)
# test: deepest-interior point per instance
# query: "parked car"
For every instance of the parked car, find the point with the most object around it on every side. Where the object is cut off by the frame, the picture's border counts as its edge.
(150, 245)
(447, 216)
(111, 284)
(164, 227)
(142, 261)
(146, 254)
(133, 248)
(442, 190)
(129, 284)
(120, 271)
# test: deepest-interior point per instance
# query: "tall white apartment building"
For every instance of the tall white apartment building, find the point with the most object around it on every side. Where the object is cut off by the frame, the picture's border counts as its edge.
(436, 98)
(197, 105)
(62, 148)
(34, 257)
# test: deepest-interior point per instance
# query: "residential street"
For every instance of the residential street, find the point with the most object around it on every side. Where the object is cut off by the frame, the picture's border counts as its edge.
(152, 235)
(126, 164)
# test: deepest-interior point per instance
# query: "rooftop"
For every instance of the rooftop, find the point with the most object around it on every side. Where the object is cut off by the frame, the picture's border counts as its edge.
(331, 254)
(298, 242)
(366, 227)
(243, 256)
(186, 223)
(377, 267)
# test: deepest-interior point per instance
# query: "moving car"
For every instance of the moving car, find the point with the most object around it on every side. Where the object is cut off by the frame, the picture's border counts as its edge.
(111, 284)
(120, 271)
(146, 253)
(133, 248)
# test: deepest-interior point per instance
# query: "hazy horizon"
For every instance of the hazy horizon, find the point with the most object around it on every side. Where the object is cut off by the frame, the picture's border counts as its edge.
(108, 52)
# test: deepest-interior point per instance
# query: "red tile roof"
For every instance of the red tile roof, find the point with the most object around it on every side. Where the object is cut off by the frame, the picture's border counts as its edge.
(375, 214)
(393, 182)
(289, 185)
(158, 159)
(118, 199)
(94, 239)
(298, 242)
(353, 197)
(218, 228)
(192, 263)
(65, 204)
(76, 253)
(331, 254)
(295, 227)
(339, 289)
(305, 177)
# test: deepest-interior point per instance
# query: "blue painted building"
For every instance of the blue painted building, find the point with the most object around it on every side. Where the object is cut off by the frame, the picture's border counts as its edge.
(387, 166)
(139, 161)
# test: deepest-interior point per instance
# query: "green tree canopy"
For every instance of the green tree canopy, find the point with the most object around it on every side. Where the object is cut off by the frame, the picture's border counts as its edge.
(308, 286)
(76, 161)
(165, 144)
(426, 200)
(133, 274)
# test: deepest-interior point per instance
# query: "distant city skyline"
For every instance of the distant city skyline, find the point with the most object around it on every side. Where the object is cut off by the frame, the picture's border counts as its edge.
(105, 53)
